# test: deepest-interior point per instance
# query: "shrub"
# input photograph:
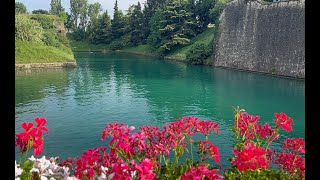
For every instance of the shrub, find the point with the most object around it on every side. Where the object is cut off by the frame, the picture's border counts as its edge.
(116, 45)
(27, 29)
(45, 20)
(40, 11)
(49, 39)
(198, 53)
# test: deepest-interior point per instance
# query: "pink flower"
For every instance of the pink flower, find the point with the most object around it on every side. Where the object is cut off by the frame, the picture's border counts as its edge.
(32, 136)
(284, 121)
(251, 157)
(291, 162)
(296, 144)
(247, 125)
(201, 172)
(265, 130)
(207, 147)
(145, 170)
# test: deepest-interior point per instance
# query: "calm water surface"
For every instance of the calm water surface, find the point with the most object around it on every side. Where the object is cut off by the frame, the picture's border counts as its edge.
(78, 103)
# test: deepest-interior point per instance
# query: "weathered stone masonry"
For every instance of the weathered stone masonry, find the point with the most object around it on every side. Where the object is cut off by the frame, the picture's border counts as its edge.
(264, 38)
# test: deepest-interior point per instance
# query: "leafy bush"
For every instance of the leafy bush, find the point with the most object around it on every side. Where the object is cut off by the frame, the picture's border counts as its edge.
(27, 29)
(20, 8)
(116, 45)
(50, 39)
(40, 11)
(198, 53)
(45, 20)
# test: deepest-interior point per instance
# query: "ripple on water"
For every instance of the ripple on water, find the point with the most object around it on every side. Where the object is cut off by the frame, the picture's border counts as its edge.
(78, 103)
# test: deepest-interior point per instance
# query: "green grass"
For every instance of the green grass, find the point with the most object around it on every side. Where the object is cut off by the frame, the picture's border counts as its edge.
(143, 49)
(87, 46)
(30, 52)
(180, 54)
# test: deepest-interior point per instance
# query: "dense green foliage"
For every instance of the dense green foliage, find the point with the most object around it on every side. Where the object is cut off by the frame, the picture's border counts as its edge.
(45, 20)
(20, 8)
(217, 10)
(164, 25)
(198, 53)
(117, 26)
(40, 11)
(27, 29)
(38, 40)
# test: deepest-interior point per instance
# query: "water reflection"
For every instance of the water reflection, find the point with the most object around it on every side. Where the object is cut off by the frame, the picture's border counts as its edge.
(139, 91)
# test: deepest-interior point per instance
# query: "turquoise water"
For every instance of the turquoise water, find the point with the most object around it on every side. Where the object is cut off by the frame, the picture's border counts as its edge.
(78, 103)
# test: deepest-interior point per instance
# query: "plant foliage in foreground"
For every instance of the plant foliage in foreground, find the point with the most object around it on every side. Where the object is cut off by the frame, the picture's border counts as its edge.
(151, 153)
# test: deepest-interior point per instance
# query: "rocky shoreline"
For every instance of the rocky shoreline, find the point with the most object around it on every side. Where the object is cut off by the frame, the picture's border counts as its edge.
(46, 65)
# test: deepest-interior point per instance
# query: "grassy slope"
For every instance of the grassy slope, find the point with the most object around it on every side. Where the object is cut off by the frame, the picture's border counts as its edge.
(32, 52)
(180, 54)
(29, 52)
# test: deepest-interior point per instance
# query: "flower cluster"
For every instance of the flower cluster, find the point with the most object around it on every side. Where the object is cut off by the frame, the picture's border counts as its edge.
(201, 172)
(251, 157)
(250, 152)
(32, 136)
(150, 153)
(290, 158)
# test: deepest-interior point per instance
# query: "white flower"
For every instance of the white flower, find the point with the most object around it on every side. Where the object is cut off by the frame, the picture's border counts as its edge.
(104, 169)
(102, 177)
(133, 174)
(18, 170)
(32, 158)
(43, 163)
(17, 178)
(50, 172)
(34, 170)
(52, 178)
(54, 167)
(44, 178)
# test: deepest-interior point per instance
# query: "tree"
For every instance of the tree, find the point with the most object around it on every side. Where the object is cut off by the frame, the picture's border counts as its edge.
(64, 16)
(150, 8)
(103, 33)
(78, 17)
(136, 25)
(93, 25)
(40, 11)
(56, 7)
(202, 9)
(154, 39)
(117, 26)
(178, 26)
(20, 8)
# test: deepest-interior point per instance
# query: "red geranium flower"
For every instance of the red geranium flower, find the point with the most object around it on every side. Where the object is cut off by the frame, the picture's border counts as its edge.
(284, 121)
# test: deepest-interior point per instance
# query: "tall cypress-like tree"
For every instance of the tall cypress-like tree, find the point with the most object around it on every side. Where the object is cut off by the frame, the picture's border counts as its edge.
(117, 26)
(136, 25)
(56, 7)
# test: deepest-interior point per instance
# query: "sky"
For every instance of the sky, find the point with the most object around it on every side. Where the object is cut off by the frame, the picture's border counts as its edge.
(106, 4)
